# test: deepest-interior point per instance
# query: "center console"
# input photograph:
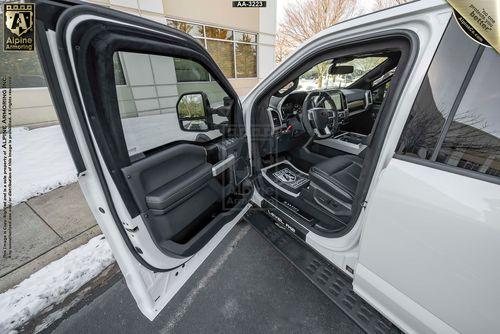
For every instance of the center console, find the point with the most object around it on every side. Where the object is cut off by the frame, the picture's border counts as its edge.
(349, 142)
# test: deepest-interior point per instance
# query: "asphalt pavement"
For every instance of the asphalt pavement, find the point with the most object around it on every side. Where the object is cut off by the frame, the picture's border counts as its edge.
(244, 286)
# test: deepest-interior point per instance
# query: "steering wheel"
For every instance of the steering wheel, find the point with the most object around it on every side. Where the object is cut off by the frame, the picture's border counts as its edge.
(319, 121)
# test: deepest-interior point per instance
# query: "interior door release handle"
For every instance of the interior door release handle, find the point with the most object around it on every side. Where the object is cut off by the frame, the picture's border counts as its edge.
(223, 165)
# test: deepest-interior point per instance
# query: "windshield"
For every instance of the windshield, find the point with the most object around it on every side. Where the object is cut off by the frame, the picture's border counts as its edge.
(318, 77)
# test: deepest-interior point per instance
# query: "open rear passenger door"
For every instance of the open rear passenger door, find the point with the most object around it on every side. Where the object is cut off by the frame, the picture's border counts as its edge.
(157, 136)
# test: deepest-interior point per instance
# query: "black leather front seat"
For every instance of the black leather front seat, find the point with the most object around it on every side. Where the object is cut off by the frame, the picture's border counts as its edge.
(338, 176)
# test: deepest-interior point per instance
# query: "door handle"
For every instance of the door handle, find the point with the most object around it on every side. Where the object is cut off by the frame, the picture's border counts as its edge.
(223, 165)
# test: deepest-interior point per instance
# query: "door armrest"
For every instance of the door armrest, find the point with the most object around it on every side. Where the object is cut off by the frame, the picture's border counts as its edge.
(179, 189)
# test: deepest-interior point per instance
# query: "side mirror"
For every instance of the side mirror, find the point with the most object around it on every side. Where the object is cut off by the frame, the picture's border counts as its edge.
(341, 69)
(192, 112)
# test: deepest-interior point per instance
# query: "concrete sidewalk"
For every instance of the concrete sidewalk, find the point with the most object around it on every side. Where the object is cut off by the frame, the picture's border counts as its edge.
(44, 229)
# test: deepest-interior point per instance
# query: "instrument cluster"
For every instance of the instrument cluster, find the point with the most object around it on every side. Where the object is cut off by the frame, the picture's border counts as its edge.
(291, 108)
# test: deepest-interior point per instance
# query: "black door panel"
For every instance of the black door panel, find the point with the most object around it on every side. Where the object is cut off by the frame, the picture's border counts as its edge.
(191, 214)
(149, 174)
(199, 232)
(174, 188)
(180, 189)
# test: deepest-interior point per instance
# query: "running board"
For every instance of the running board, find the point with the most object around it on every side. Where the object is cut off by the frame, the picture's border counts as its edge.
(328, 278)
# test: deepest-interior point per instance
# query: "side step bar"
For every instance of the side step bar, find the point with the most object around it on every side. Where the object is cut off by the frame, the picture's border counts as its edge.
(327, 277)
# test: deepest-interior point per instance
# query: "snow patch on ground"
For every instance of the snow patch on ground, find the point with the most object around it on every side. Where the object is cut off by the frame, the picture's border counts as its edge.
(53, 283)
(41, 162)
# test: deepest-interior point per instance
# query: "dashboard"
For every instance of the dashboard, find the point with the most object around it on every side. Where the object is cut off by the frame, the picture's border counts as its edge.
(285, 112)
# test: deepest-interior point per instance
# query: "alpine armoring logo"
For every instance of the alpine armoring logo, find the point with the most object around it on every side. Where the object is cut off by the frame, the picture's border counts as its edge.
(19, 27)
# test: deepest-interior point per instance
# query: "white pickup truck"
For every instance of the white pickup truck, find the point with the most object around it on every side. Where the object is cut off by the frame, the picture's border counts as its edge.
(382, 185)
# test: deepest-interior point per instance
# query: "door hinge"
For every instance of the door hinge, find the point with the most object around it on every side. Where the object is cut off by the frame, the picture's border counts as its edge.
(131, 225)
(364, 204)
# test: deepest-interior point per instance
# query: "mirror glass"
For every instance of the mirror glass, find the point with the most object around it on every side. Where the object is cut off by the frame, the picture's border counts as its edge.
(192, 113)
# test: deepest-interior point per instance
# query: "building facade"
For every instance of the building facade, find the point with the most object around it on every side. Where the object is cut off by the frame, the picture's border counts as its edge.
(241, 41)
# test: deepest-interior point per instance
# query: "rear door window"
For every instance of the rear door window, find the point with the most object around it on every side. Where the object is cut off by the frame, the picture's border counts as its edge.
(437, 94)
(455, 119)
(473, 138)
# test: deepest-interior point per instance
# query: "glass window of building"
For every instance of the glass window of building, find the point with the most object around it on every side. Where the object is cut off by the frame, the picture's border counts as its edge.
(245, 37)
(218, 33)
(194, 30)
(235, 52)
(223, 54)
(246, 60)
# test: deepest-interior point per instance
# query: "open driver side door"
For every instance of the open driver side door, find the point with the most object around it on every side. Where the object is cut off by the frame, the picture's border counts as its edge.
(157, 137)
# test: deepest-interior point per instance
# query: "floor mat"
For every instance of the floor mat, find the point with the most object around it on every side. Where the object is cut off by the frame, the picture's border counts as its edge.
(285, 177)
